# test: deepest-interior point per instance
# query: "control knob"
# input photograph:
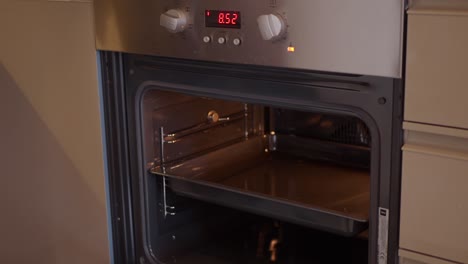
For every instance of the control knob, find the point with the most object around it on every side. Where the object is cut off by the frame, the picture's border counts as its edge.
(173, 20)
(271, 26)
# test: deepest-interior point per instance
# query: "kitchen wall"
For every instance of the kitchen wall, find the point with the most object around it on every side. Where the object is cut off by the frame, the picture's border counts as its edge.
(52, 184)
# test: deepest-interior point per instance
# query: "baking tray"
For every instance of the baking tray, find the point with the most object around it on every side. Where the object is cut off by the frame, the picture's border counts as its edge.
(314, 194)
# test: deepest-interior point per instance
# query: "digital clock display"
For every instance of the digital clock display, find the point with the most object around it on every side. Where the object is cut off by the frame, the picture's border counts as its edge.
(222, 19)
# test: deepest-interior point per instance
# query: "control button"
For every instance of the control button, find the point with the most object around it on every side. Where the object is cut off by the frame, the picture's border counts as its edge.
(271, 26)
(221, 40)
(236, 41)
(206, 39)
(173, 20)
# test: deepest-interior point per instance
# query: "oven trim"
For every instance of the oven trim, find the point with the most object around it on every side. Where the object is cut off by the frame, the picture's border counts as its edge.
(115, 130)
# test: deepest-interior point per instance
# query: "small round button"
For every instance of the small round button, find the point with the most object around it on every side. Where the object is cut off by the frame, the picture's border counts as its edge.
(206, 39)
(236, 41)
(221, 40)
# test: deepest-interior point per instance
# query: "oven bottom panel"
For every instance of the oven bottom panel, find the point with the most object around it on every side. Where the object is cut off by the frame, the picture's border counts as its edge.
(296, 246)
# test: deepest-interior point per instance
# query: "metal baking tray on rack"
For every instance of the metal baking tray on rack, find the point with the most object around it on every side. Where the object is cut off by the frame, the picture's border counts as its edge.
(245, 176)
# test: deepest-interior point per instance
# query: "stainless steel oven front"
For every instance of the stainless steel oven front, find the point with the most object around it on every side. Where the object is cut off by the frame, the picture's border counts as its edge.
(252, 132)
(347, 36)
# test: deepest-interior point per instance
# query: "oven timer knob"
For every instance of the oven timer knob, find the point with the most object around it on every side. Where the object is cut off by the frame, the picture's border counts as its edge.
(271, 26)
(173, 20)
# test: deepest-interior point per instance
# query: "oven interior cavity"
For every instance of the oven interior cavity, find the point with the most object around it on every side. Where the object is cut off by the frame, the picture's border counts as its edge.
(237, 182)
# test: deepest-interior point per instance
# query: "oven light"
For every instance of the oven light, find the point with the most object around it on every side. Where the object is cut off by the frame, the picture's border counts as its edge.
(291, 49)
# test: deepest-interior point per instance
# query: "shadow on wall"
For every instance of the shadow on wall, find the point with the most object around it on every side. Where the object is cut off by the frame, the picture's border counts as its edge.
(48, 214)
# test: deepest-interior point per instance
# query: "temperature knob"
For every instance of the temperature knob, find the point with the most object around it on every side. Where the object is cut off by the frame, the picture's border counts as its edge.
(271, 26)
(173, 20)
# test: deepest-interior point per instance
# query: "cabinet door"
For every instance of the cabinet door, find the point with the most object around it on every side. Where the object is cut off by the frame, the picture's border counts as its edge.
(409, 257)
(434, 205)
(437, 66)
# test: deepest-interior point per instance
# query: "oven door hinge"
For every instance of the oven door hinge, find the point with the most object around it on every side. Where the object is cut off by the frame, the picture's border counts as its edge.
(382, 243)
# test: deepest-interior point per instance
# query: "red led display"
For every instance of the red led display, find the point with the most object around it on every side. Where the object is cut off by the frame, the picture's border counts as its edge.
(222, 19)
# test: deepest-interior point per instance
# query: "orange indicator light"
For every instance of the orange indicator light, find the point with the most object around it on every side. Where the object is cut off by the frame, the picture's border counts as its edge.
(291, 49)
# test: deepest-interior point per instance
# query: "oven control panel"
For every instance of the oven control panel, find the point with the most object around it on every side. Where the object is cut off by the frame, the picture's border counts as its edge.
(270, 26)
(344, 36)
(216, 30)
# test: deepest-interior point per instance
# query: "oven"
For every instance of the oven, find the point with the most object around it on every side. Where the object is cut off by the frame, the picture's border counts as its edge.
(266, 132)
